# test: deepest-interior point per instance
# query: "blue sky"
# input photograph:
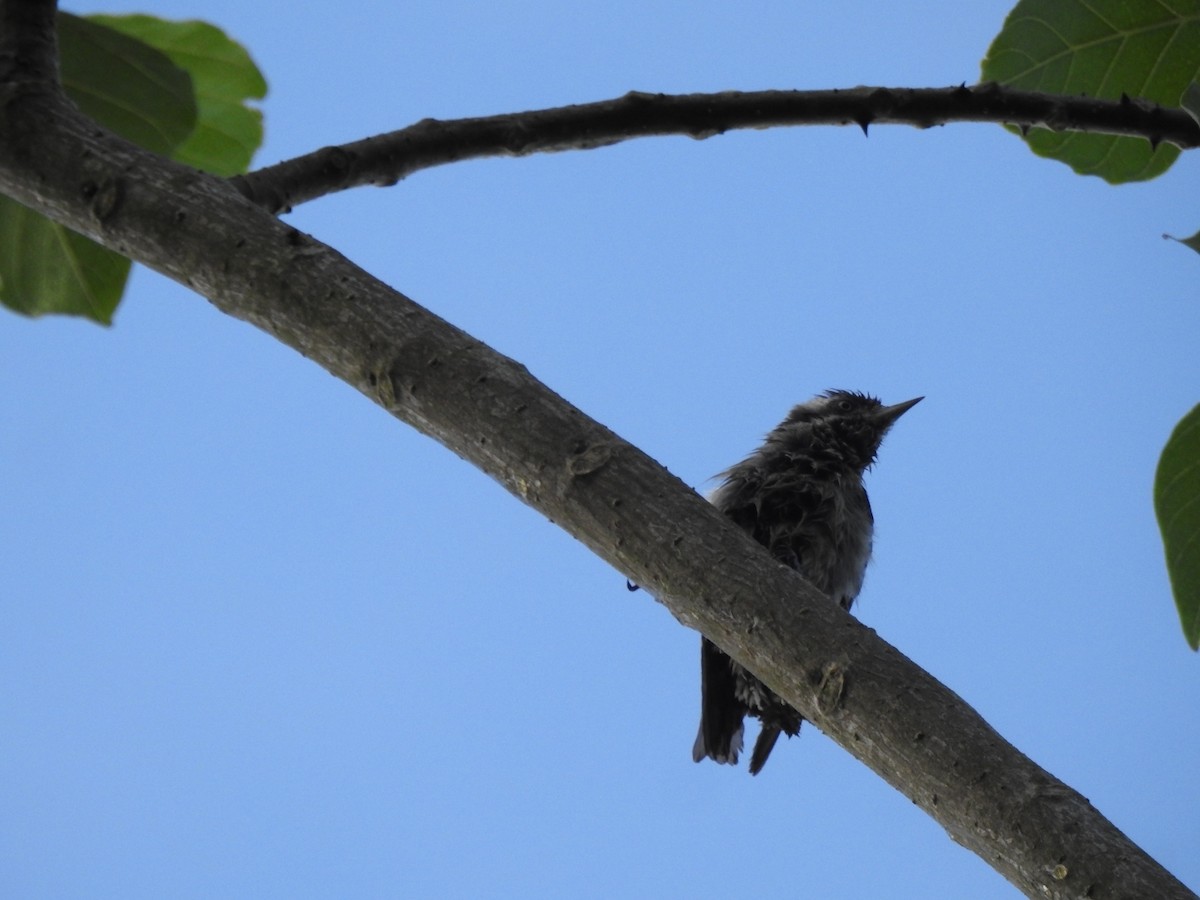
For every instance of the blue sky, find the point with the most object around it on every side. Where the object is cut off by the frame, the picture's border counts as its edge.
(261, 640)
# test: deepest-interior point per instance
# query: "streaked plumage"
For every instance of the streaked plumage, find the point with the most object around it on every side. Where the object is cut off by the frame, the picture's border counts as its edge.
(801, 496)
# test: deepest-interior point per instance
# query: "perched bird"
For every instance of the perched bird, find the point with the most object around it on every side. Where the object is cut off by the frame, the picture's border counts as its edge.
(801, 496)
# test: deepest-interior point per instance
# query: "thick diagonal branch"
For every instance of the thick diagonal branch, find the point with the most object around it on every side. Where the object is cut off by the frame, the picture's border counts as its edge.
(919, 736)
(387, 158)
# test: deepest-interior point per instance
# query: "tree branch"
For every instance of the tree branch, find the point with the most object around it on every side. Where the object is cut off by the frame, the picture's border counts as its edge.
(387, 158)
(28, 48)
(919, 736)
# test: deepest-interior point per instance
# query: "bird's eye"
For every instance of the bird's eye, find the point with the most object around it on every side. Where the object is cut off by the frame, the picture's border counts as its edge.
(844, 406)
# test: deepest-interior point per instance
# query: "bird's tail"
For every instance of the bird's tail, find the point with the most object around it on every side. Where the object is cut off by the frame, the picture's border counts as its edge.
(763, 746)
(721, 712)
(724, 749)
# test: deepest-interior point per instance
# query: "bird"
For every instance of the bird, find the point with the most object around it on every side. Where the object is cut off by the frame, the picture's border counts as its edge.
(801, 496)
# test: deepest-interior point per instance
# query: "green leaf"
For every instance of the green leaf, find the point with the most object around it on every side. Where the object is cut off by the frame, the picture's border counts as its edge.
(1101, 48)
(1177, 505)
(46, 268)
(1191, 101)
(175, 88)
(227, 130)
(128, 86)
(137, 92)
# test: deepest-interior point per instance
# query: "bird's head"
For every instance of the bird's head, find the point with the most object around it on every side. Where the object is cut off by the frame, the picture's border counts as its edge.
(848, 422)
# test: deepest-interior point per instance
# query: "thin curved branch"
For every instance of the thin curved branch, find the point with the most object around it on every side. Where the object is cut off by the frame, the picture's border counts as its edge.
(387, 158)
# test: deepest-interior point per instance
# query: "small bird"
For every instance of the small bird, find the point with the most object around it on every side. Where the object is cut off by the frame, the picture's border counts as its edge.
(801, 496)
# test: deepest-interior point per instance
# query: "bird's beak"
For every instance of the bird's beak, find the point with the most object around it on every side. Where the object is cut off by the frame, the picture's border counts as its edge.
(888, 414)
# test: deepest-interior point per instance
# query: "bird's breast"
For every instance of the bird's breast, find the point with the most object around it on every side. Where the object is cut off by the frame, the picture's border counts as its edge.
(835, 551)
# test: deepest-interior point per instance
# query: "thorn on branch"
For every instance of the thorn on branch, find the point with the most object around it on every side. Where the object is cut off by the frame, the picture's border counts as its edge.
(640, 97)
(701, 134)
